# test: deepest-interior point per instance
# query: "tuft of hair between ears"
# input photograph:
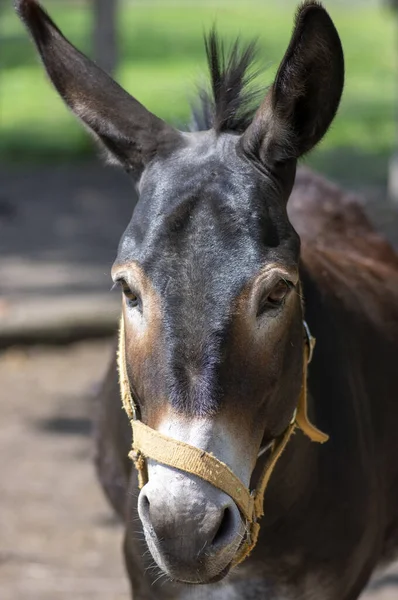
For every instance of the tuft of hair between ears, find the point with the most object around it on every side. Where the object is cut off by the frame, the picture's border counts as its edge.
(232, 101)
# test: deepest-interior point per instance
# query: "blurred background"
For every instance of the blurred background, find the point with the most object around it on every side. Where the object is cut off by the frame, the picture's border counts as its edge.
(61, 215)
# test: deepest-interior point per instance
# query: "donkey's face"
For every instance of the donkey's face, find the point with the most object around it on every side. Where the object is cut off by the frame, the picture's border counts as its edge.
(209, 271)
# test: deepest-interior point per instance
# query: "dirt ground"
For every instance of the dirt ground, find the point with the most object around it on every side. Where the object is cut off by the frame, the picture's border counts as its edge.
(59, 539)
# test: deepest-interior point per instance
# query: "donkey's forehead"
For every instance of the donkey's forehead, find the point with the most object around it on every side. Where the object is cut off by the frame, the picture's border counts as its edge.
(207, 207)
(206, 162)
(202, 149)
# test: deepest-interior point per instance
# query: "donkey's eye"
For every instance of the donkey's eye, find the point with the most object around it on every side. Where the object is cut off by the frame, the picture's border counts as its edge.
(132, 298)
(275, 297)
(279, 292)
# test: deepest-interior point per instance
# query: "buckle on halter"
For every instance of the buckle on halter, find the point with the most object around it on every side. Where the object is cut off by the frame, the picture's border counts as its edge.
(134, 411)
(249, 539)
(265, 448)
(310, 341)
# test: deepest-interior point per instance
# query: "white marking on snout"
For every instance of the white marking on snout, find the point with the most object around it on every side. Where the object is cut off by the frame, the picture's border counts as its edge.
(214, 437)
(188, 510)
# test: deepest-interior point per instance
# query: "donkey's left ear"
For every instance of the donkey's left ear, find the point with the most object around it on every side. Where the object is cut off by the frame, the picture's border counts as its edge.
(302, 102)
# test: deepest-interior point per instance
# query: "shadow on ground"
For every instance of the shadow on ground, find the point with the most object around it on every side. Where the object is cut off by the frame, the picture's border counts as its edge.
(66, 426)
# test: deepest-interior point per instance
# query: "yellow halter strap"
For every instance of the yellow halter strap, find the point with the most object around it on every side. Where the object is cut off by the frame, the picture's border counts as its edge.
(150, 444)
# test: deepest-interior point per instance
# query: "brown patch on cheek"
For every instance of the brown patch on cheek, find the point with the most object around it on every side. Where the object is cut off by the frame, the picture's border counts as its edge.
(249, 329)
(255, 340)
(144, 348)
(256, 369)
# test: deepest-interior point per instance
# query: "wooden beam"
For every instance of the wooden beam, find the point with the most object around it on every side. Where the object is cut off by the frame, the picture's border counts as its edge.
(105, 34)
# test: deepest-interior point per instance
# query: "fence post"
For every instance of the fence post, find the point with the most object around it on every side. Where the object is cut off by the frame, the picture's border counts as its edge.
(105, 34)
(393, 162)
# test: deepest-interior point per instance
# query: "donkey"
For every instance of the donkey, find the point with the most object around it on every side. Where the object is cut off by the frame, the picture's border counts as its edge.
(228, 250)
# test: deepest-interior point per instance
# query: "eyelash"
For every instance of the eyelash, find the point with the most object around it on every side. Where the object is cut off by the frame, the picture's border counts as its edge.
(132, 298)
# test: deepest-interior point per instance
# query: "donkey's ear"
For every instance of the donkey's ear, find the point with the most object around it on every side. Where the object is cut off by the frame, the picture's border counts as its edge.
(128, 130)
(302, 102)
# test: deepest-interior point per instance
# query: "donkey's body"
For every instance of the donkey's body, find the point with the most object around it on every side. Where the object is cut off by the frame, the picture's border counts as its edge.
(331, 512)
(213, 283)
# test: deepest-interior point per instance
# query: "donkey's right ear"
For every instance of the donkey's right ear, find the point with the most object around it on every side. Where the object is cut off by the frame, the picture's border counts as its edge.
(301, 104)
(128, 130)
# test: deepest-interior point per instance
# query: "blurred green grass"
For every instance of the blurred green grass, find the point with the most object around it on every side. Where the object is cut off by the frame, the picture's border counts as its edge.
(162, 59)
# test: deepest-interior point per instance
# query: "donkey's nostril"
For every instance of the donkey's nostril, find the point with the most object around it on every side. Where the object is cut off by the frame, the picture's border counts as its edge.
(144, 505)
(225, 528)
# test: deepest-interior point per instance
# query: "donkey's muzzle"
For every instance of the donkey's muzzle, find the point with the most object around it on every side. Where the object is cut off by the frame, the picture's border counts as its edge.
(193, 530)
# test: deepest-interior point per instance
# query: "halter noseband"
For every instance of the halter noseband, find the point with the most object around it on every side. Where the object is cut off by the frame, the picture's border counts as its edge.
(150, 444)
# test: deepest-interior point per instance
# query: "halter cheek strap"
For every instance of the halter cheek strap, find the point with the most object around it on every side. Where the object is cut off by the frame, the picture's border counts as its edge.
(150, 444)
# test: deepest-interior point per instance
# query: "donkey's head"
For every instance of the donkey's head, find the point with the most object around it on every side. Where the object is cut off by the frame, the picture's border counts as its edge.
(209, 270)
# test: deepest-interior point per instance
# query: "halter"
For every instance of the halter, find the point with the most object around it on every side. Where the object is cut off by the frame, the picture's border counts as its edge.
(150, 444)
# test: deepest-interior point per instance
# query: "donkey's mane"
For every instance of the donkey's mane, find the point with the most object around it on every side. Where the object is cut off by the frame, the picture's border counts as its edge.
(229, 105)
